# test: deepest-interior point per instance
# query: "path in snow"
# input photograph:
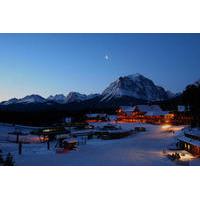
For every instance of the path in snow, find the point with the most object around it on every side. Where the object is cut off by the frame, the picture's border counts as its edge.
(144, 149)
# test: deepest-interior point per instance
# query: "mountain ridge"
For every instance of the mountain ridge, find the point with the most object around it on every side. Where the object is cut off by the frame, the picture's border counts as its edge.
(135, 86)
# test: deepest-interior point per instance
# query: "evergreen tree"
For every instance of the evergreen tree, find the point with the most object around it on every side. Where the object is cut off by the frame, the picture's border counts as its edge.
(9, 160)
(191, 97)
(1, 158)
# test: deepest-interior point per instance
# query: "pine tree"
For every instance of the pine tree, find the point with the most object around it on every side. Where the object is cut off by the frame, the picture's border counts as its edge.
(1, 158)
(9, 160)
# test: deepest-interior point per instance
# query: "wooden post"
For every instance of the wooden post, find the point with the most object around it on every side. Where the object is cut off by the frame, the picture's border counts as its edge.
(48, 145)
(20, 148)
(60, 143)
(17, 139)
(85, 139)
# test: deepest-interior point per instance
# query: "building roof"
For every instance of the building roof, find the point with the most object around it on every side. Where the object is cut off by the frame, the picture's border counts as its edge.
(156, 113)
(127, 108)
(189, 141)
(148, 108)
(193, 132)
(96, 115)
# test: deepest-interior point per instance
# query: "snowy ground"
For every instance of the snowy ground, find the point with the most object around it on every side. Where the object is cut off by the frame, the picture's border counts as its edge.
(141, 149)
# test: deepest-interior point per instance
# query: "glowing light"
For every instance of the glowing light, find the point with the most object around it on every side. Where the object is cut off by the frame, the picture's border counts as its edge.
(185, 156)
(178, 128)
(46, 130)
(166, 126)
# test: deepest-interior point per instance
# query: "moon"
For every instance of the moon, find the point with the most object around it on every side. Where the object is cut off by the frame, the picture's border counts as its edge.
(106, 57)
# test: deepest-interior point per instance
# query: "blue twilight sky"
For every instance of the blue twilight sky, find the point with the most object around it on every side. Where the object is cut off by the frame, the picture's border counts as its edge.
(48, 64)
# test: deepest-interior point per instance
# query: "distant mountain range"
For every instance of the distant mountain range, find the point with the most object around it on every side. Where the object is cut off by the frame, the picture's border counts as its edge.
(125, 90)
(71, 97)
(59, 98)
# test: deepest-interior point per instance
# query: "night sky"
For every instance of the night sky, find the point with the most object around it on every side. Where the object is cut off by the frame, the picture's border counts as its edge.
(48, 64)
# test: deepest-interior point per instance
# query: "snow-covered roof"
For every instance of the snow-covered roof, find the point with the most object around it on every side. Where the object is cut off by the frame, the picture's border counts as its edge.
(127, 108)
(92, 115)
(194, 132)
(157, 113)
(148, 108)
(189, 141)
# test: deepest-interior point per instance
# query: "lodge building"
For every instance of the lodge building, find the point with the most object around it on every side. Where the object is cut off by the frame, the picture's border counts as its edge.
(190, 141)
(143, 113)
(152, 114)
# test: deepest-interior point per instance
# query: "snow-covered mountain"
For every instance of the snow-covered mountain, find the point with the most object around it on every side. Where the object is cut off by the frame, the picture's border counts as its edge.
(78, 97)
(92, 96)
(58, 98)
(32, 99)
(75, 97)
(136, 86)
(9, 102)
(71, 97)
(171, 94)
(130, 87)
(26, 100)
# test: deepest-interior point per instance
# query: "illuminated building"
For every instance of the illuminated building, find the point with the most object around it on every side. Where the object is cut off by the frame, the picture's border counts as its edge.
(152, 114)
(190, 141)
(142, 113)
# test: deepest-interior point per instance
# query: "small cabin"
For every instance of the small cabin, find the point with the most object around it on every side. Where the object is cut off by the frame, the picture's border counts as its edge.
(190, 141)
